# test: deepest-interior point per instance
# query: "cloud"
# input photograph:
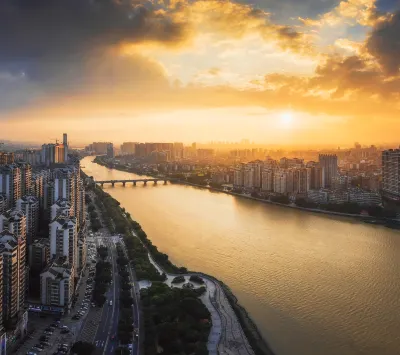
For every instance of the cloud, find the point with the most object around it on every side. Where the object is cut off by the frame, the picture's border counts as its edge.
(384, 45)
(71, 47)
(363, 12)
(236, 20)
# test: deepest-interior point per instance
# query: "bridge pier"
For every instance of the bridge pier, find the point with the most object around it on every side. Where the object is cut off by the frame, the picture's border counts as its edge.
(113, 183)
(155, 182)
(123, 183)
(102, 184)
(145, 182)
(134, 183)
(165, 182)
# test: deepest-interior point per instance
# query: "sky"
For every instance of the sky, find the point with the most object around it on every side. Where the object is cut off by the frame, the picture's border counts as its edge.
(273, 71)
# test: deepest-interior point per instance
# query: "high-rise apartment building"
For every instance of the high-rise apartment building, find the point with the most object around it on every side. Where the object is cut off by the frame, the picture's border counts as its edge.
(63, 208)
(238, 177)
(6, 158)
(32, 157)
(314, 176)
(37, 188)
(10, 183)
(329, 166)
(281, 181)
(65, 144)
(110, 150)
(39, 254)
(13, 250)
(57, 284)
(128, 148)
(248, 182)
(15, 222)
(64, 240)
(300, 185)
(3, 203)
(26, 178)
(54, 153)
(391, 174)
(29, 205)
(267, 180)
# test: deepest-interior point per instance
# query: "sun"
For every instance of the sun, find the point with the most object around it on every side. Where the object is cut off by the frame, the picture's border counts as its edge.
(286, 119)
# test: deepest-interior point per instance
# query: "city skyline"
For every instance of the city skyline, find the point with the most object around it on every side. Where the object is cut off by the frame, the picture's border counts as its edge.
(286, 72)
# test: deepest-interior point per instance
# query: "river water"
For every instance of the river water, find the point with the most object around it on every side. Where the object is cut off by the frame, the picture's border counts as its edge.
(313, 284)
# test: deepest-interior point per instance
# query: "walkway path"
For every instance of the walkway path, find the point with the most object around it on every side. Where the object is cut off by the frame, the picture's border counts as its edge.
(226, 335)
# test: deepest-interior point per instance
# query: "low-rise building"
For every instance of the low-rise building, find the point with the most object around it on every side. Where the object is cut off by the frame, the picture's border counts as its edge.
(366, 198)
(318, 196)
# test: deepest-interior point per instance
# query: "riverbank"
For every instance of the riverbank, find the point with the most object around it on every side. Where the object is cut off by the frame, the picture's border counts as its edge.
(389, 223)
(257, 343)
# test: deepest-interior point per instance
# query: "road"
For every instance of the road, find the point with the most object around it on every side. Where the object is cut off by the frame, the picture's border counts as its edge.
(109, 320)
(135, 294)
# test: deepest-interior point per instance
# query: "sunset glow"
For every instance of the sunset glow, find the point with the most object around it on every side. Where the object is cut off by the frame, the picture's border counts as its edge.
(182, 65)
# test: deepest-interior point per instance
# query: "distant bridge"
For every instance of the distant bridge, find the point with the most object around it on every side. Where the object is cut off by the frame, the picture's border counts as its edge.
(133, 181)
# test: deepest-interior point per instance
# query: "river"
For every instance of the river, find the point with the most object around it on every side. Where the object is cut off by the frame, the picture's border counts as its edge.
(313, 284)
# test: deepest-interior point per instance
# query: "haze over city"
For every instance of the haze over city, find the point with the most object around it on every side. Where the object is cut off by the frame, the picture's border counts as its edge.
(282, 72)
(199, 177)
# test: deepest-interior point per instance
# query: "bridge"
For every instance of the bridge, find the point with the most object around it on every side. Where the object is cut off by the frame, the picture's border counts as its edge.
(133, 181)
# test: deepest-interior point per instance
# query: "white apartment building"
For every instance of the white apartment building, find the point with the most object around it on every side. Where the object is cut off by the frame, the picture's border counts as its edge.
(15, 222)
(64, 240)
(57, 284)
(61, 208)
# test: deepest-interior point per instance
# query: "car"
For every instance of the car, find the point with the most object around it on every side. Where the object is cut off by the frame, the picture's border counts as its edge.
(55, 325)
(76, 317)
(49, 329)
(31, 353)
(110, 303)
(64, 331)
(37, 349)
(39, 346)
(45, 343)
(48, 333)
(44, 338)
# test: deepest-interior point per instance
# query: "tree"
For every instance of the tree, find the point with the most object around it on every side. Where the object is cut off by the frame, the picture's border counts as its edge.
(83, 348)
(122, 351)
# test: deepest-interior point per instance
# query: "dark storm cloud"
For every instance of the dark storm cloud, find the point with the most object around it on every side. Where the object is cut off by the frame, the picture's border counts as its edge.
(61, 45)
(33, 29)
(384, 44)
